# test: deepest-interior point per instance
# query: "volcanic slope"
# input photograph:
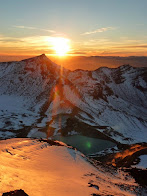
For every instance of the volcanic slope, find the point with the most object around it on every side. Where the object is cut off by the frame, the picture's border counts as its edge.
(36, 94)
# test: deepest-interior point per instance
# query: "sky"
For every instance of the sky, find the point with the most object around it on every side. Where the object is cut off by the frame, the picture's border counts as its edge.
(92, 27)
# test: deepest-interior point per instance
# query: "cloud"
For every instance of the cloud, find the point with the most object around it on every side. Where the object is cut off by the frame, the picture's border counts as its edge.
(77, 52)
(23, 27)
(133, 46)
(98, 30)
(27, 45)
(33, 28)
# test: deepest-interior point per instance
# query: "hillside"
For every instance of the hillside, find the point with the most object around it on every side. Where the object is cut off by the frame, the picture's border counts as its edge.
(40, 95)
(43, 169)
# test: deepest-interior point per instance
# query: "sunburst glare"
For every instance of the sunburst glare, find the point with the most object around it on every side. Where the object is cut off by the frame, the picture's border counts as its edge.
(60, 45)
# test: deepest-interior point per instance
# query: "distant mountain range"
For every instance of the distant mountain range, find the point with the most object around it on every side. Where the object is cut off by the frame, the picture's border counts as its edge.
(88, 62)
(38, 94)
(95, 62)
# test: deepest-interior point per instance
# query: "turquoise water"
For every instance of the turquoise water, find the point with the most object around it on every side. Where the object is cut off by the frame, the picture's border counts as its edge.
(87, 145)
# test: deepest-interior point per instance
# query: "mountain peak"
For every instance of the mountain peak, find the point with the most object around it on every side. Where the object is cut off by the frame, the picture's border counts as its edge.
(42, 56)
(39, 57)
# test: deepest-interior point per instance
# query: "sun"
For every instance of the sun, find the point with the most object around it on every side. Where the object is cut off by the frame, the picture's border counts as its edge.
(61, 45)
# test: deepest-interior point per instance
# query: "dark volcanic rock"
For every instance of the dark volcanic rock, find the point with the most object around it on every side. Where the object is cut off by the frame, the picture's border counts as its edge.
(15, 193)
(139, 175)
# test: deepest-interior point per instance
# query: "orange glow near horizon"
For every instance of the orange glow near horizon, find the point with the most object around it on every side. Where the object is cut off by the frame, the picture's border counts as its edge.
(22, 55)
(61, 46)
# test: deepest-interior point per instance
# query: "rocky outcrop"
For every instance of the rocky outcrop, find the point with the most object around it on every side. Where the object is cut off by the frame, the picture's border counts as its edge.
(15, 193)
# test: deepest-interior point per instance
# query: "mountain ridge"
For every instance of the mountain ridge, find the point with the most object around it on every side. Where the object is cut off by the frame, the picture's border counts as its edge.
(104, 97)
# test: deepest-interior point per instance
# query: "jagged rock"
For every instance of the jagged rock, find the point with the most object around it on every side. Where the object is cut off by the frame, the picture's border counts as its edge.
(15, 193)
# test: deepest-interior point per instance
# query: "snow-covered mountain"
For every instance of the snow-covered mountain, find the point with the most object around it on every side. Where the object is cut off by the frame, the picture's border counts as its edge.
(36, 94)
(43, 169)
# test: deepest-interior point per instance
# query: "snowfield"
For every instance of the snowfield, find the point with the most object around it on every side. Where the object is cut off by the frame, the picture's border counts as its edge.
(40, 169)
